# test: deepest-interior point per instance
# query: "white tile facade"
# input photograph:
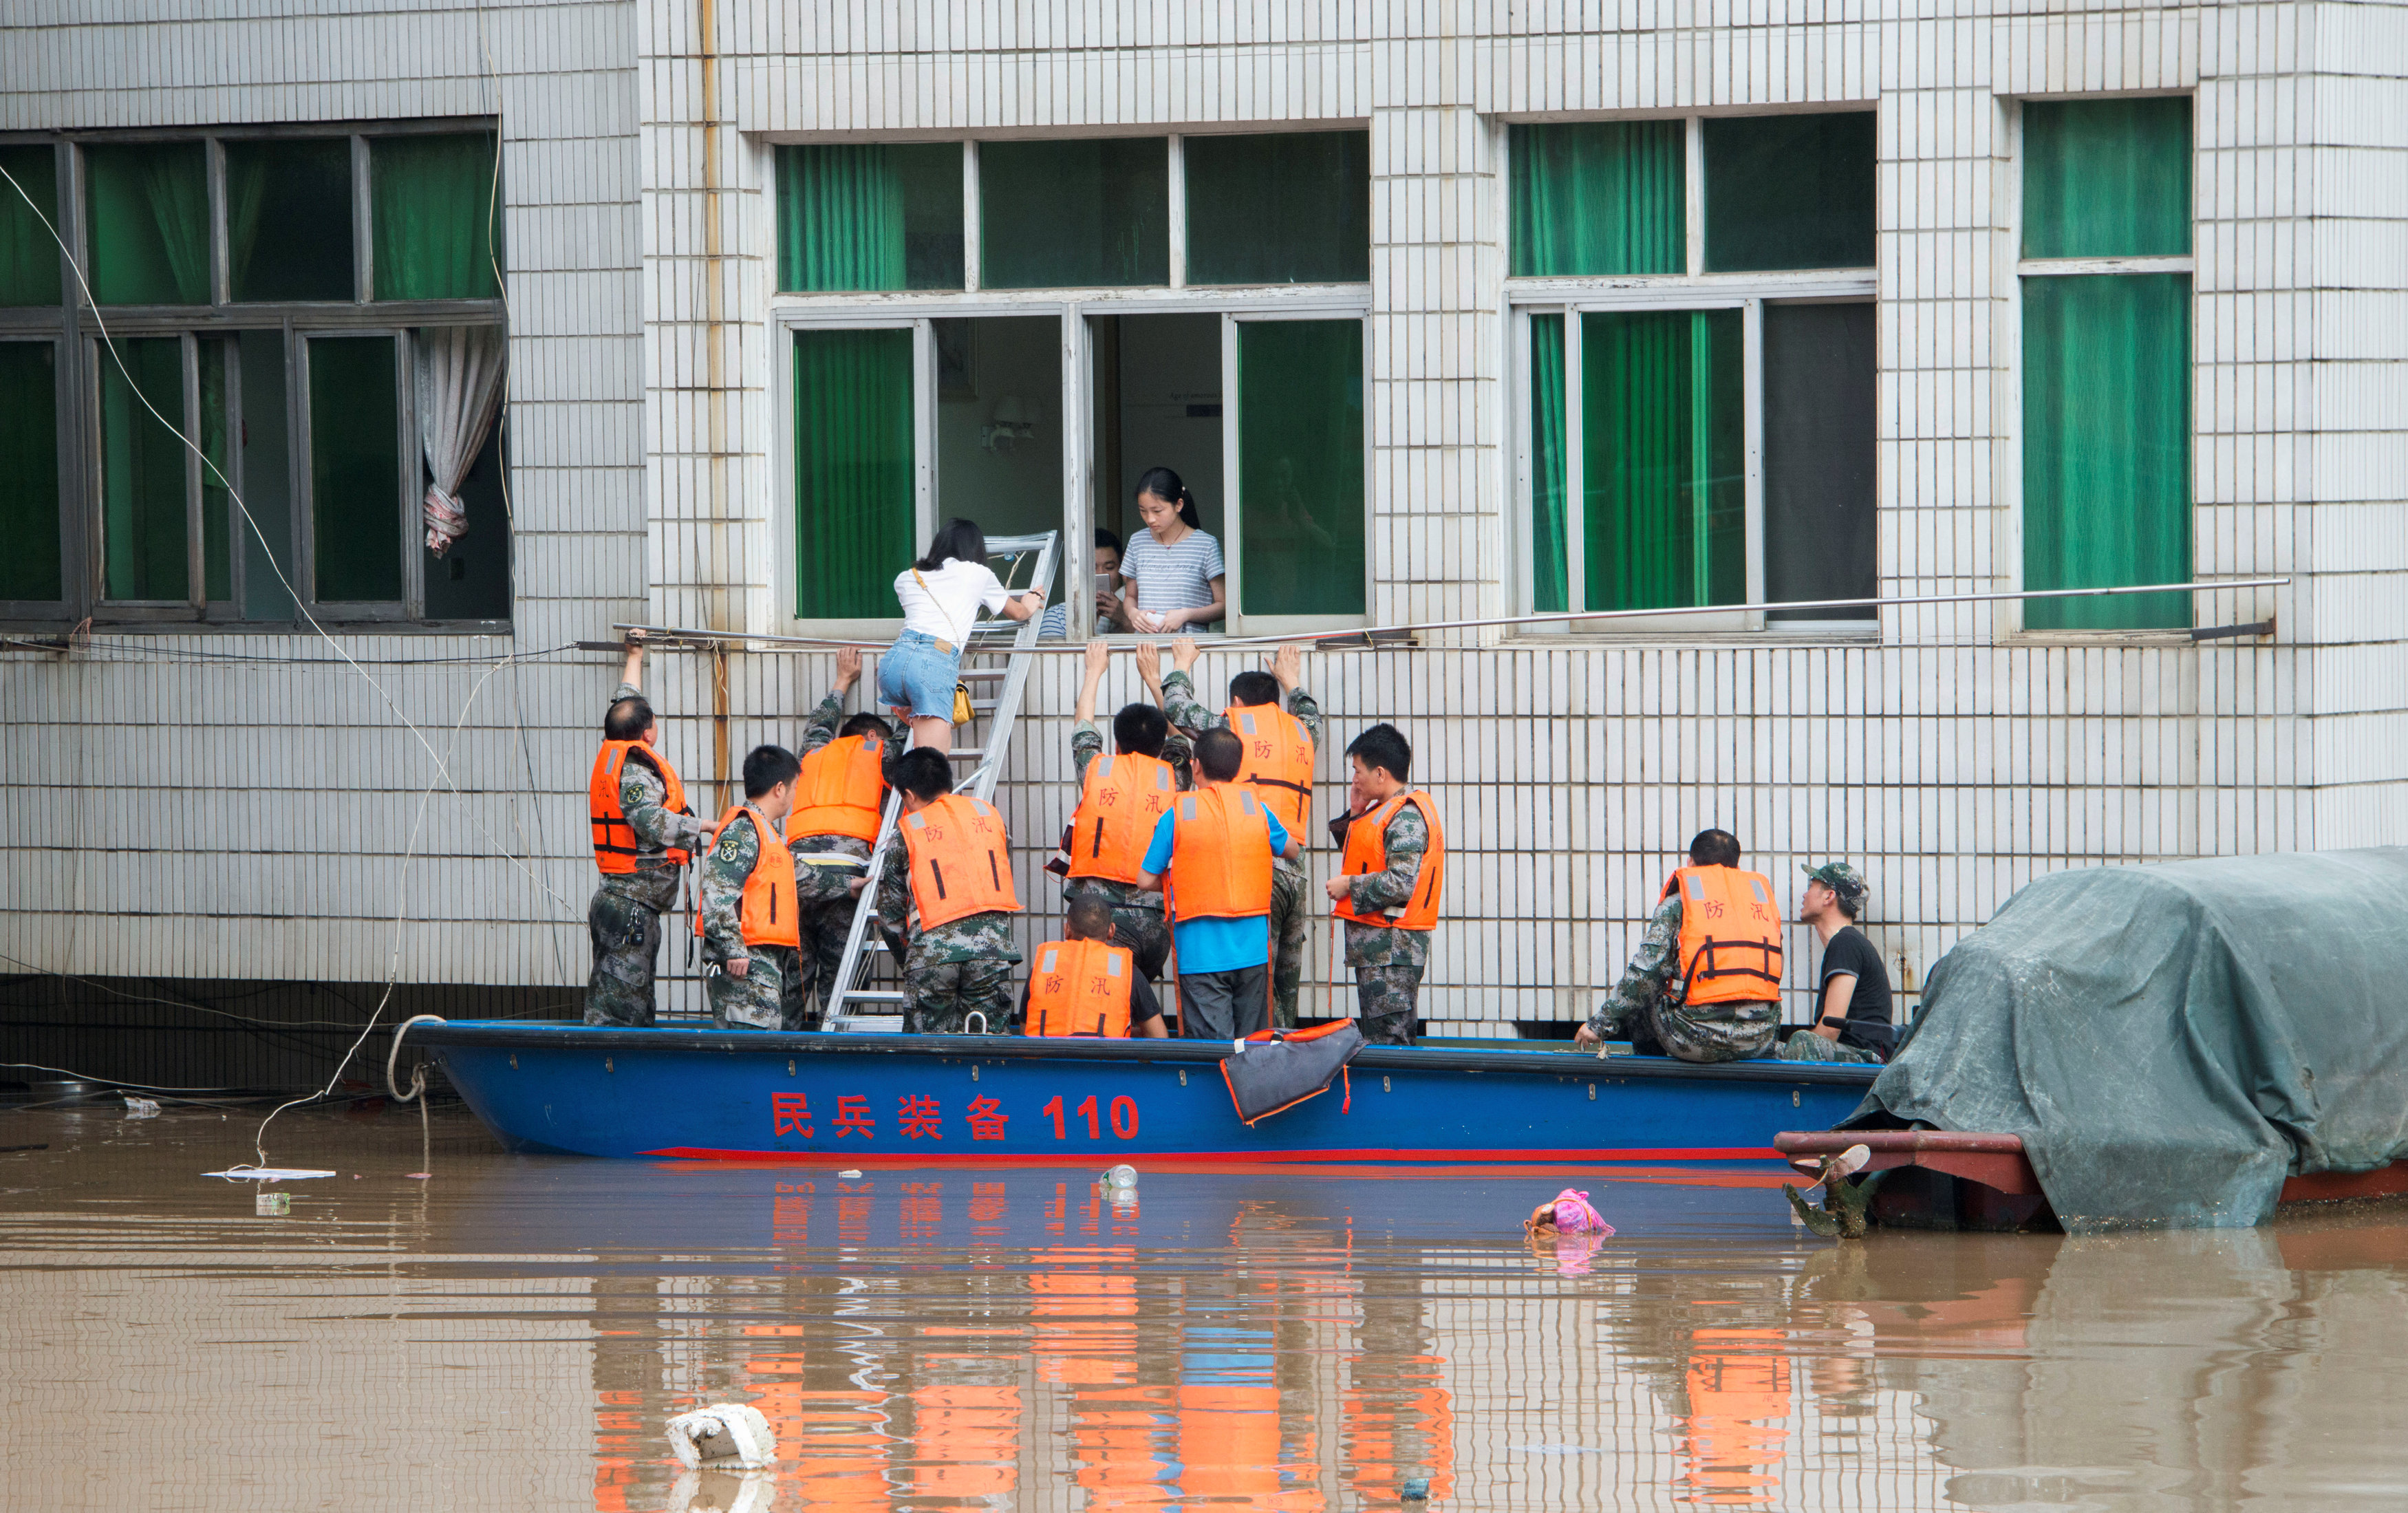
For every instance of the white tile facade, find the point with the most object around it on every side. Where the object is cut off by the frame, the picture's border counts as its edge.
(1952, 762)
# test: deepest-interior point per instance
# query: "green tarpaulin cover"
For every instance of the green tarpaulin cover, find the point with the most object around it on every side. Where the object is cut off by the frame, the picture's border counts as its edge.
(2171, 1041)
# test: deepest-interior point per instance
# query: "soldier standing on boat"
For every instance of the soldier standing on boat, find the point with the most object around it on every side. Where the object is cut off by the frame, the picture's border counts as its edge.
(1280, 746)
(1387, 889)
(953, 870)
(1215, 852)
(747, 919)
(1705, 983)
(1121, 796)
(839, 801)
(643, 834)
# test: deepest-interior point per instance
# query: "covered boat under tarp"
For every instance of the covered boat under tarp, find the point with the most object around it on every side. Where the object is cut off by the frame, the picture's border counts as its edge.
(2171, 1041)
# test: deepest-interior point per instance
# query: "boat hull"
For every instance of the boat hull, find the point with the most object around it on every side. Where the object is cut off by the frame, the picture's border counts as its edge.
(886, 1100)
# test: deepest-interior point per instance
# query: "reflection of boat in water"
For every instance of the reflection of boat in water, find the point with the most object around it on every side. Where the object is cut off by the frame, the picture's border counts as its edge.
(881, 1099)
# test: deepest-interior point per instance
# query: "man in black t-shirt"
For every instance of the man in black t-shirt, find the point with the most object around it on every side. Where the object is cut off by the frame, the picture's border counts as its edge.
(1853, 1001)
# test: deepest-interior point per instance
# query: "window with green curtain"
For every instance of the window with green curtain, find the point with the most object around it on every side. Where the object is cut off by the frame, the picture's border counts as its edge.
(216, 560)
(2107, 178)
(1790, 192)
(854, 503)
(289, 219)
(2107, 447)
(1601, 197)
(435, 207)
(1550, 560)
(1280, 207)
(29, 259)
(147, 223)
(1300, 466)
(144, 532)
(355, 469)
(29, 485)
(870, 215)
(1664, 487)
(1092, 213)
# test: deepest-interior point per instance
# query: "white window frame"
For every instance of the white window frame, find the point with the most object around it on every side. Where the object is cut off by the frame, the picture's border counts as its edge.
(1695, 290)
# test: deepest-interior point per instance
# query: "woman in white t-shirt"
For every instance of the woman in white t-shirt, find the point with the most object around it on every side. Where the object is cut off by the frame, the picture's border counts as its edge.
(942, 593)
(1173, 573)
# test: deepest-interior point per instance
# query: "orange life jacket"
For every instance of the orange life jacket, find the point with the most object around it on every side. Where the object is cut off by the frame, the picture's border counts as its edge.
(1220, 855)
(1081, 988)
(767, 914)
(615, 843)
(1367, 852)
(1113, 825)
(1278, 763)
(1731, 935)
(840, 790)
(961, 862)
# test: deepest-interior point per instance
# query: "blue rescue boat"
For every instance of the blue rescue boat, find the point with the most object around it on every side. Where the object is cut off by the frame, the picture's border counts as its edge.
(1014, 1101)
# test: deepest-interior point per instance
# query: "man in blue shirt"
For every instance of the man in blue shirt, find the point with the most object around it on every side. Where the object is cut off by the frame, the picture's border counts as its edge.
(1215, 850)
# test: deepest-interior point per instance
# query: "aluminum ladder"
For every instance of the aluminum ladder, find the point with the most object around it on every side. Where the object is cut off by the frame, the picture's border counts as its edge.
(850, 1003)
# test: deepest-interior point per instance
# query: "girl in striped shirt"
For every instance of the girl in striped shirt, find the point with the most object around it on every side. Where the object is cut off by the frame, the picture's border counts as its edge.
(1173, 571)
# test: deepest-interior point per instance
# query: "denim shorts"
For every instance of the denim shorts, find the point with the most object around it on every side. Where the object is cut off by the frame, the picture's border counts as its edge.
(917, 674)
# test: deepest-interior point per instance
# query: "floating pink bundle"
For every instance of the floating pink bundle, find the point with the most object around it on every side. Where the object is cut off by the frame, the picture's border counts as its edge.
(1575, 1215)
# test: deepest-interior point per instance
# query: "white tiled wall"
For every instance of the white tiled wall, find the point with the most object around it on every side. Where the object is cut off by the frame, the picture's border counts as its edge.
(1952, 762)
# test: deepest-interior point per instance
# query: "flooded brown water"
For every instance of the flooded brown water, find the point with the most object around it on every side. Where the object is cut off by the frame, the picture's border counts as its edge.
(513, 1334)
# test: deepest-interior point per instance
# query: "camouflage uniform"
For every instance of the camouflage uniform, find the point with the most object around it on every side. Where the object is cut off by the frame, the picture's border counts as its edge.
(1644, 1001)
(950, 970)
(1806, 1046)
(624, 918)
(1389, 962)
(769, 996)
(1290, 915)
(1138, 922)
(822, 896)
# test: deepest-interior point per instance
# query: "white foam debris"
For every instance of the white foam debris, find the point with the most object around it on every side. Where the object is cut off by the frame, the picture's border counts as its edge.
(268, 1174)
(725, 1437)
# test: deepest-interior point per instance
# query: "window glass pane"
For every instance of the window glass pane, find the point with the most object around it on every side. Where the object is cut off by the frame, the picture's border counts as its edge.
(1157, 404)
(435, 199)
(217, 569)
(1662, 438)
(289, 219)
(29, 259)
(1819, 458)
(142, 470)
(1300, 466)
(1084, 214)
(147, 223)
(29, 485)
(2107, 178)
(472, 581)
(999, 423)
(2107, 447)
(1790, 192)
(1289, 207)
(854, 485)
(262, 443)
(1605, 197)
(1550, 565)
(355, 469)
(870, 216)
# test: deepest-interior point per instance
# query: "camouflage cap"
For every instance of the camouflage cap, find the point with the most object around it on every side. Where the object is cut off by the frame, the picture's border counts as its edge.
(1842, 879)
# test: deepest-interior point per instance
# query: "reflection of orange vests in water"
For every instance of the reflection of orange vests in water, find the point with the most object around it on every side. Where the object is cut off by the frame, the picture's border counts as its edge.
(615, 843)
(1367, 852)
(1731, 935)
(1229, 1444)
(765, 915)
(1220, 855)
(840, 790)
(1278, 763)
(1739, 1397)
(1080, 987)
(960, 865)
(1122, 798)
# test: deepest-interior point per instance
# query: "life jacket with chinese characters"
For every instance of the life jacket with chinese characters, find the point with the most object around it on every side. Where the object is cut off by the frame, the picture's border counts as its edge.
(1731, 935)
(960, 864)
(1125, 795)
(1367, 852)
(766, 915)
(616, 845)
(840, 790)
(1220, 855)
(1081, 988)
(1278, 763)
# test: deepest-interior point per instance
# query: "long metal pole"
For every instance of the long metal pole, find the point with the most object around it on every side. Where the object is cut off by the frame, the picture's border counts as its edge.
(1369, 632)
